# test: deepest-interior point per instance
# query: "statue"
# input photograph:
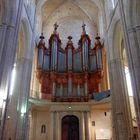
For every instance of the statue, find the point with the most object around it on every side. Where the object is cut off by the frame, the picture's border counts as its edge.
(55, 27)
(83, 26)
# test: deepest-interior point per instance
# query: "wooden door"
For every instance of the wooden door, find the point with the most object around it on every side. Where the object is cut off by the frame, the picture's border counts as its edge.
(70, 128)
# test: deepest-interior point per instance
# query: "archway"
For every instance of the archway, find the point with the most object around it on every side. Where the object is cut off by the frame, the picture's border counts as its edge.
(70, 128)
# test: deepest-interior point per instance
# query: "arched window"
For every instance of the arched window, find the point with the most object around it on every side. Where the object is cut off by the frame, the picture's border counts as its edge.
(43, 128)
(126, 70)
(111, 5)
(128, 81)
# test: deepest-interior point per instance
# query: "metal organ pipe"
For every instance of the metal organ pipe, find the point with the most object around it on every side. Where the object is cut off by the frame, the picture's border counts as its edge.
(86, 88)
(70, 86)
(61, 89)
(99, 58)
(54, 55)
(85, 55)
(53, 88)
(69, 59)
(46, 62)
(69, 75)
(40, 57)
(70, 64)
(41, 47)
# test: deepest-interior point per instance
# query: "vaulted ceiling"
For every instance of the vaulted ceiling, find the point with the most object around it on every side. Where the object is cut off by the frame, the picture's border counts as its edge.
(70, 15)
(86, 6)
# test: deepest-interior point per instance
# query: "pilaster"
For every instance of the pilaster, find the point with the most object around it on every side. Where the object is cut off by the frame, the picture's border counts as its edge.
(87, 126)
(52, 125)
(83, 126)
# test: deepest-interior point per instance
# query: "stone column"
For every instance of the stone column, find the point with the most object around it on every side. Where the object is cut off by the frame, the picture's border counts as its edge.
(52, 125)
(87, 126)
(9, 28)
(18, 107)
(82, 126)
(33, 125)
(58, 131)
(132, 38)
(122, 125)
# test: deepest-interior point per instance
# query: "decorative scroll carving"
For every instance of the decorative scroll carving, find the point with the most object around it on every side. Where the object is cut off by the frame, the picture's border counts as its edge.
(69, 74)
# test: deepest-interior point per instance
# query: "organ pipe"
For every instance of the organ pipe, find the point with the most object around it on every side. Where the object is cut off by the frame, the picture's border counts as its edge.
(69, 73)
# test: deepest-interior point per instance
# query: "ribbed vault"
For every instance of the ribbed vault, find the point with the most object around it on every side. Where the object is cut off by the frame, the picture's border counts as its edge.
(70, 15)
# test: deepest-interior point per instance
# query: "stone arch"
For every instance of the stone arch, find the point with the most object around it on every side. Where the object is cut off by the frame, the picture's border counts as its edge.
(114, 30)
(69, 113)
(119, 49)
(39, 8)
(21, 43)
(41, 3)
(23, 47)
(27, 36)
(117, 37)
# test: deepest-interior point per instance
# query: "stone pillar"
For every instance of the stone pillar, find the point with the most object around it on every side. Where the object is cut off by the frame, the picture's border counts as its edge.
(52, 125)
(132, 38)
(33, 126)
(82, 126)
(18, 107)
(122, 125)
(9, 28)
(58, 131)
(134, 67)
(87, 125)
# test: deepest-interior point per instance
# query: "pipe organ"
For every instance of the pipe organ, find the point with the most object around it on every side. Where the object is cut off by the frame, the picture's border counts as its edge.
(70, 74)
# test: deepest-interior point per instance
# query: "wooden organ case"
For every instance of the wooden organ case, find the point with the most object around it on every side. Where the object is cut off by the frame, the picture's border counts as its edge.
(70, 74)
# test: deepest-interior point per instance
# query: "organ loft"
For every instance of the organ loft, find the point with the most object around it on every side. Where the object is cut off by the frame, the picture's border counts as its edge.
(73, 73)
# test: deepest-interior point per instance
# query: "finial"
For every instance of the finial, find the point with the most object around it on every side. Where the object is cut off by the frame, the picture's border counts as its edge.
(55, 27)
(42, 36)
(83, 26)
(70, 38)
(97, 37)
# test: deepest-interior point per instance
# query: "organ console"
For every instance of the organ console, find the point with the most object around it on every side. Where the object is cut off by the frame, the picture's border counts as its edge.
(69, 74)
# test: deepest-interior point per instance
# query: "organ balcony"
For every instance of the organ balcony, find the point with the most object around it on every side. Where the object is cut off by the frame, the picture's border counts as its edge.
(70, 74)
